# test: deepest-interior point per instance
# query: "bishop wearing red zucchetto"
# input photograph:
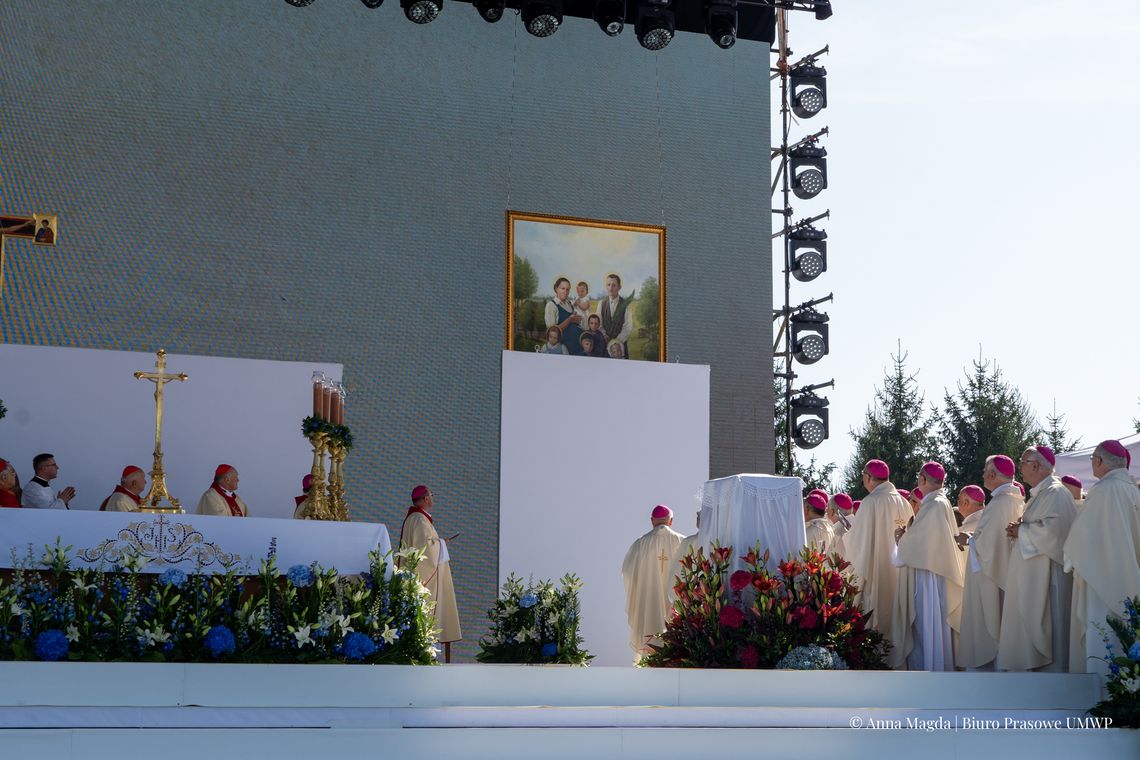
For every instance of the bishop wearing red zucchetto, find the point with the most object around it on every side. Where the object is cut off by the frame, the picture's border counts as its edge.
(221, 498)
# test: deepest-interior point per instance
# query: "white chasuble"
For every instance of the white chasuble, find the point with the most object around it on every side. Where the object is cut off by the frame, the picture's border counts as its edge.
(868, 545)
(648, 586)
(434, 572)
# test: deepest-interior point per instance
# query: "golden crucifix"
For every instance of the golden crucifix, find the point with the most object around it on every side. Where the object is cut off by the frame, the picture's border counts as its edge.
(42, 229)
(153, 501)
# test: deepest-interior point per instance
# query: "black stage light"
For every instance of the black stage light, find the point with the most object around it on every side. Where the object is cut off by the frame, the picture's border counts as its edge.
(822, 10)
(610, 15)
(720, 22)
(809, 336)
(808, 83)
(808, 167)
(655, 24)
(299, 3)
(369, 3)
(541, 18)
(807, 253)
(809, 420)
(421, 11)
(490, 10)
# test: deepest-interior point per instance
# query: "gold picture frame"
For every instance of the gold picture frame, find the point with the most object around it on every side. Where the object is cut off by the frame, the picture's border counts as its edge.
(547, 252)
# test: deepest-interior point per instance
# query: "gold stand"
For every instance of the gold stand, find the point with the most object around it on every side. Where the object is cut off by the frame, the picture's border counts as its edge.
(337, 505)
(318, 508)
(158, 499)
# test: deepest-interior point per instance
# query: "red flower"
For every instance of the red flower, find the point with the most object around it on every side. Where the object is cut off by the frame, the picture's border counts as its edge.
(806, 616)
(721, 554)
(764, 583)
(834, 583)
(751, 557)
(749, 656)
(731, 617)
(740, 580)
(788, 569)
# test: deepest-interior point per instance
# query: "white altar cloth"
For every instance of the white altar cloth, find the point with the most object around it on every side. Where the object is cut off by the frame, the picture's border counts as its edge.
(194, 543)
(742, 509)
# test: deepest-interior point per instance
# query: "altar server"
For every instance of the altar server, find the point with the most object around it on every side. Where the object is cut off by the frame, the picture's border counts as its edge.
(1103, 552)
(645, 571)
(1038, 592)
(928, 600)
(221, 498)
(986, 565)
(434, 570)
(38, 493)
(817, 528)
(870, 542)
(127, 495)
(8, 488)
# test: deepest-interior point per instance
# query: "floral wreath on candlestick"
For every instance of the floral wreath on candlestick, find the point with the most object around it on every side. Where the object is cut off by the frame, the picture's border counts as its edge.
(3, 410)
(338, 436)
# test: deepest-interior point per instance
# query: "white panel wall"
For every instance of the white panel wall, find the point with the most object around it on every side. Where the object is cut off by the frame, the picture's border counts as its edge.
(86, 407)
(589, 446)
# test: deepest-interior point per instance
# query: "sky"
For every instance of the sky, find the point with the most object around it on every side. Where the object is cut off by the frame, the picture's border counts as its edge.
(982, 166)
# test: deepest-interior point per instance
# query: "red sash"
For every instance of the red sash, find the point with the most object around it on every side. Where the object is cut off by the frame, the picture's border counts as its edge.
(231, 501)
(119, 489)
(8, 499)
(299, 499)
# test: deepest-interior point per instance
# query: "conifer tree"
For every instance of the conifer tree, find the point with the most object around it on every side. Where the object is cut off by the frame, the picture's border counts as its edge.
(1057, 433)
(897, 429)
(986, 416)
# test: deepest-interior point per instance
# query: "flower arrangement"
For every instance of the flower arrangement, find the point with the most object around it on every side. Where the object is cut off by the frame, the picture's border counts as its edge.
(50, 611)
(337, 435)
(757, 618)
(1123, 703)
(536, 623)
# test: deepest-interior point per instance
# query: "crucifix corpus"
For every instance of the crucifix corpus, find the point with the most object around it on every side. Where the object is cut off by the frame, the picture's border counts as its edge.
(41, 229)
(155, 498)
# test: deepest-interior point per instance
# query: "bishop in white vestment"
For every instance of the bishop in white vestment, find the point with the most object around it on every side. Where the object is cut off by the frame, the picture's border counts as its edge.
(648, 585)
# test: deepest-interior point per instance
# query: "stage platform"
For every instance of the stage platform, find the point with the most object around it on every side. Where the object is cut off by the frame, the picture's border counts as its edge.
(86, 710)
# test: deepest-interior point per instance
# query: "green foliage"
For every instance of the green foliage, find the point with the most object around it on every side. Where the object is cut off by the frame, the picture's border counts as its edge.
(648, 306)
(526, 280)
(536, 623)
(336, 435)
(897, 429)
(986, 416)
(1057, 434)
(756, 616)
(310, 614)
(1123, 687)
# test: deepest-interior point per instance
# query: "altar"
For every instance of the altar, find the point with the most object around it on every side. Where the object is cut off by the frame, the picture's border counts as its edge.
(741, 510)
(193, 543)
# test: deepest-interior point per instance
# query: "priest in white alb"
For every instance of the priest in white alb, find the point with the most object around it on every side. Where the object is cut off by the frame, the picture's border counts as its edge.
(434, 568)
(688, 544)
(1103, 552)
(986, 565)
(1038, 593)
(870, 543)
(817, 528)
(648, 586)
(928, 600)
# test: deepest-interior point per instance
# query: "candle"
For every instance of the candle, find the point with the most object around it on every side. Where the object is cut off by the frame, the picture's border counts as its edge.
(336, 411)
(343, 400)
(318, 394)
(326, 402)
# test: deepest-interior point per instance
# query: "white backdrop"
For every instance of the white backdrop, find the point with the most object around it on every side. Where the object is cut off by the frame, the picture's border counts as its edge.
(86, 407)
(1078, 464)
(589, 446)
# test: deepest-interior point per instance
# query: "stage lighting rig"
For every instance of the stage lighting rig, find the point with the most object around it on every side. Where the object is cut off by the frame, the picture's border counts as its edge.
(490, 10)
(720, 22)
(807, 252)
(421, 11)
(807, 163)
(373, 4)
(655, 24)
(809, 336)
(809, 417)
(610, 16)
(542, 18)
(808, 83)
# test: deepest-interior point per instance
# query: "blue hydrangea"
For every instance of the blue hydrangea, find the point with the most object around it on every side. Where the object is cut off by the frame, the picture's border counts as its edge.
(219, 640)
(358, 646)
(51, 645)
(549, 649)
(301, 576)
(1134, 651)
(173, 577)
(528, 600)
(810, 657)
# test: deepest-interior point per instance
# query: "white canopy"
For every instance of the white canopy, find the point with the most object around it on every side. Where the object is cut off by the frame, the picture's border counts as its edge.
(1078, 464)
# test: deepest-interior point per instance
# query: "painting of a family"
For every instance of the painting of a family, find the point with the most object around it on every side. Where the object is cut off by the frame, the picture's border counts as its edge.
(614, 321)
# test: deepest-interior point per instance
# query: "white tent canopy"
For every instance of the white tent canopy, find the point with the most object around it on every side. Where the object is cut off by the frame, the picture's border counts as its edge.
(1077, 462)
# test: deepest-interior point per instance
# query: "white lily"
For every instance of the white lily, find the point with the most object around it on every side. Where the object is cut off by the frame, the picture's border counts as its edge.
(72, 633)
(302, 636)
(389, 635)
(343, 622)
(16, 609)
(134, 562)
(1131, 684)
(80, 585)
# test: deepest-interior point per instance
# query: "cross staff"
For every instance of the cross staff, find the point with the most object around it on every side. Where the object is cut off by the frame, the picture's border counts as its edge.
(158, 492)
(42, 229)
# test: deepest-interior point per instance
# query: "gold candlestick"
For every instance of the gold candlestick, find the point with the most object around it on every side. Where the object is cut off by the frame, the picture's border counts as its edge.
(337, 505)
(317, 508)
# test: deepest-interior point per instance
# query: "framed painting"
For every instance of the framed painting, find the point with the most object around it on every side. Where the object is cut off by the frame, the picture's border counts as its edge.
(585, 287)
